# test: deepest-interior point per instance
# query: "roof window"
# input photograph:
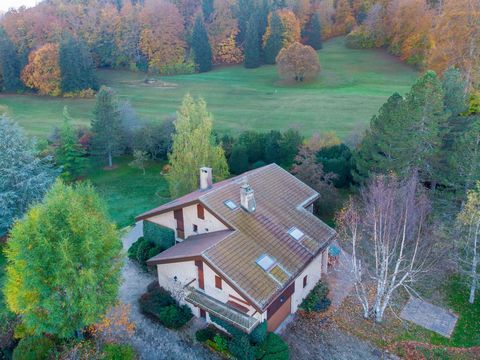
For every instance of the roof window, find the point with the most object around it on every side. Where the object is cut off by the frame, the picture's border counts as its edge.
(230, 204)
(265, 262)
(296, 233)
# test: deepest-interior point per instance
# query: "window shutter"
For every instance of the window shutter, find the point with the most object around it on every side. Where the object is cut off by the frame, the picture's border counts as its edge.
(200, 212)
(218, 282)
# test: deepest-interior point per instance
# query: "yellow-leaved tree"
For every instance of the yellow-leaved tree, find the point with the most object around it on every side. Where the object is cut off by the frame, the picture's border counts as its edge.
(194, 146)
(43, 70)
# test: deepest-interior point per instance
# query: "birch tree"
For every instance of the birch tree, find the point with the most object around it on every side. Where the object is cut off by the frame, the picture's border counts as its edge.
(389, 235)
(468, 243)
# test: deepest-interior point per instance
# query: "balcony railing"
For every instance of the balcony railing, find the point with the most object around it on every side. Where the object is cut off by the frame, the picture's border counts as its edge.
(223, 311)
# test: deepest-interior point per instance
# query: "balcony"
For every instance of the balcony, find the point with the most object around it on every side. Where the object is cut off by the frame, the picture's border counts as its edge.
(223, 311)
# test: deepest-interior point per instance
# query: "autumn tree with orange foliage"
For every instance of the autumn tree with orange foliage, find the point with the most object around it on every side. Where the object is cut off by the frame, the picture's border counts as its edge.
(161, 39)
(222, 30)
(43, 70)
(410, 23)
(298, 62)
(290, 24)
(456, 40)
(344, 20)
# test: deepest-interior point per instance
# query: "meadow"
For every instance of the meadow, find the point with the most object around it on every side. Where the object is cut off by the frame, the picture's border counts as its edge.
(352, 86)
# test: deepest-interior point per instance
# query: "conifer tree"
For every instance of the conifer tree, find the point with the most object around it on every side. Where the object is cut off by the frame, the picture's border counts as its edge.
(63, 263)
(9, 64)
(193, 146)
(76, 66)
(252, 45)
(238, 161)
(202, 50)
(313, 32)
(207, 9)
(24, 177)
(274, 42)
(106, 125)
(69, 154)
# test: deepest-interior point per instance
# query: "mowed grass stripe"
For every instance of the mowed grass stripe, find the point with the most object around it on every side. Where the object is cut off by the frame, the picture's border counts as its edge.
(352, 86)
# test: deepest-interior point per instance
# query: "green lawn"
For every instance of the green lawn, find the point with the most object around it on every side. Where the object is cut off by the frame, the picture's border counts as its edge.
(126, 191)
(352, 86)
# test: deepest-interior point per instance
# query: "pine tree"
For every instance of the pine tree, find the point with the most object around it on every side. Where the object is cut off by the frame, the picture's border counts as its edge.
(10, 67)
(274, 42)
(64, 258)
(313, 32)
(207, 9)
(202, 50)
(194, 146)
(106, 125)
(454, 88)
(76, 66)
(70, 155)
(238, 161)
(252, 45)
(24, 177)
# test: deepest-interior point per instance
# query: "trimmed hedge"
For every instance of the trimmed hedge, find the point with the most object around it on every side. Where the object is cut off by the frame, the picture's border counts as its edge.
(158, 235)
(118, 352)
(34, 348)
(159, 304)
(205, 334)
(317, 300)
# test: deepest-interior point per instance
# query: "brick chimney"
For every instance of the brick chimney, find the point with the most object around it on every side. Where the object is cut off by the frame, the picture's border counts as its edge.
(247, 198)
(205, 178)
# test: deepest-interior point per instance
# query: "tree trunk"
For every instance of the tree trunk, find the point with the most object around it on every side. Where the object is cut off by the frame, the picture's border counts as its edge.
(110, 164)
(473, 287)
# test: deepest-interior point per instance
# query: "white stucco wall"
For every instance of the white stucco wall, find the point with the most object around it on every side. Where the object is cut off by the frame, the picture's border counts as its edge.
(209, 224)
(314, 274)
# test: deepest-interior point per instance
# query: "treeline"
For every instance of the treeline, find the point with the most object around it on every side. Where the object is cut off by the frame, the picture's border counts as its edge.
(430, 34)
(159, 36)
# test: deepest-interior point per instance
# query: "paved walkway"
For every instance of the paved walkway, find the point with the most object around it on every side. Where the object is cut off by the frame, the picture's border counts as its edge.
(151, 340)
(429, 316)
(339, 279)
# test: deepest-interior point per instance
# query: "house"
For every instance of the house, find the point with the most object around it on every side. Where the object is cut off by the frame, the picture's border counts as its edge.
(248, 249)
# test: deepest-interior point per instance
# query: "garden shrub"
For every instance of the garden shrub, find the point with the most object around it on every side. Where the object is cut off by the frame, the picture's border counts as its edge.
(317, 300)
(273, 348)
(259, 334)
(221, 343)
(337, 159)
(34, 348)
(241, 348)
(142, 250)
(118, 352)
(205, 334)
(161, 306)
(158, 235)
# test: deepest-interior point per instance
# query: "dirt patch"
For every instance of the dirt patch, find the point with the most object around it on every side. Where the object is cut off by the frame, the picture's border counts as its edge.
(413, 350)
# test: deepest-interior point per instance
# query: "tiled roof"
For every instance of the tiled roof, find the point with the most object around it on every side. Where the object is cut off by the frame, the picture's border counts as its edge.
(280, 206)
(280, 198)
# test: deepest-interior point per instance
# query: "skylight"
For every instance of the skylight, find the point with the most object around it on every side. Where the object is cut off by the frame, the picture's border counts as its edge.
(265, 262)
(230, 204)
(296, 233)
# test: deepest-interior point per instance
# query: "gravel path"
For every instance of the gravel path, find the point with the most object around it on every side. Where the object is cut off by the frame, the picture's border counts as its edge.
(312, 339)
(151, 340)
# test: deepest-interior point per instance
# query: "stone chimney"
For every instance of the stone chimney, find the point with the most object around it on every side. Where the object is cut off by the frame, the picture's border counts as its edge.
(205, 178)
(247, 198)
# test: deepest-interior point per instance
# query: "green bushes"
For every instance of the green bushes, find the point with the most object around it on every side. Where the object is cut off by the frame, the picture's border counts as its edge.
(142, 250)
(159, 304)
(34, 348)
(337, 159)
(360, 38)
(118, 352)
(158, 235)
(205, 334)
(273, 348)
(241, 348)
(317, 300)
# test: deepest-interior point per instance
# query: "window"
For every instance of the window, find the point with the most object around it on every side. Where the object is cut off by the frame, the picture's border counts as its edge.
(296, 233)
(218, 282)
(265, 262)
(195, 228)
(305, 281)
(230, 204)
(200, 212)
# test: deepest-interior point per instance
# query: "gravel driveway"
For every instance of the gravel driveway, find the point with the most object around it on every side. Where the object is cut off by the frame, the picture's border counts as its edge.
(151, 340)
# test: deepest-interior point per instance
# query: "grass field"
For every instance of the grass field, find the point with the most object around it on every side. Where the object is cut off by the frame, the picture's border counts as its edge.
(351, 87)
(127, 191)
